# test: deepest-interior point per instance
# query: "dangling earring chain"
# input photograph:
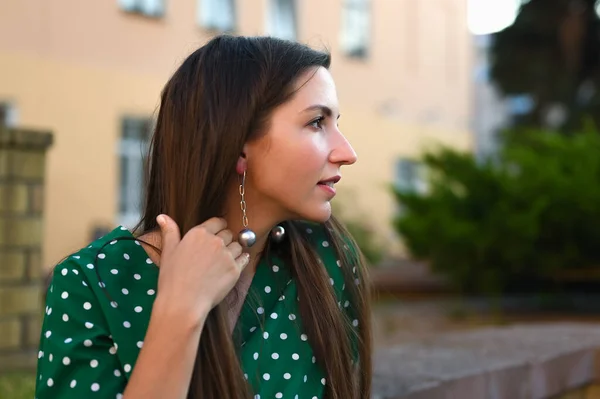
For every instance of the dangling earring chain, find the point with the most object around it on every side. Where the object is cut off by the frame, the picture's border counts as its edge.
(246, 237)
(242, 191)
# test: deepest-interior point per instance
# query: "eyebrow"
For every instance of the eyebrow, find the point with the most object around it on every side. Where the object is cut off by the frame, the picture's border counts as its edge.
(318, 107)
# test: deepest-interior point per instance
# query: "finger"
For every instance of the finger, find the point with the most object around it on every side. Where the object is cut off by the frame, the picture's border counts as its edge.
(235, 249)
(170, 233)
(243, 260)
(226, 236)
(214, 225)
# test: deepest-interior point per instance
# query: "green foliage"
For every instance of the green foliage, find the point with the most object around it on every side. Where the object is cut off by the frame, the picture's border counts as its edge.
(360, 230)
(365, 240)
(551, 53)
(17, 386)
(532, 211)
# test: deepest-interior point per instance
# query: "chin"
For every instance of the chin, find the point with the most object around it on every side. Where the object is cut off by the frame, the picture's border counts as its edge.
(317, 214)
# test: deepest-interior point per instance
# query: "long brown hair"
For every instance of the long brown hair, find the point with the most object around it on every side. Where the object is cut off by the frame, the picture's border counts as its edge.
(220, 98)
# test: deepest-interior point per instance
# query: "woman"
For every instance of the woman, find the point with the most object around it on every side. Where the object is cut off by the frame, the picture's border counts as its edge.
(246, 141)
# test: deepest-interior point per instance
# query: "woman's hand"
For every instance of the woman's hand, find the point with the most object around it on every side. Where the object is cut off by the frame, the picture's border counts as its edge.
(198, 270)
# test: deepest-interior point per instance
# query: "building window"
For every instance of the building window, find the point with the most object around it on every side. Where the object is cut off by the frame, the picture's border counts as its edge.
(282, 19)
(356, 27)
(217, 14)
(133, 147)
(410, 176)
(149, 8)
(8, 115)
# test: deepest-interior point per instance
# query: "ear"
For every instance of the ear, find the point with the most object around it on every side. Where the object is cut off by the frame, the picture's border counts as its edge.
(242, 164)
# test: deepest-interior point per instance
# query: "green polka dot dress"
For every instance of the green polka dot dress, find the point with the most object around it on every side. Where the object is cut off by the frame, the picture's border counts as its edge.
(98, 309)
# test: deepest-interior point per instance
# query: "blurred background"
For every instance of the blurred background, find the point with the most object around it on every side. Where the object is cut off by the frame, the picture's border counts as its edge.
(475, 198)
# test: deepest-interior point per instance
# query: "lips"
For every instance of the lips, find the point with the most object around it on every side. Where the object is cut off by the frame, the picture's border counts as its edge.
(330, 181)
(328, 184)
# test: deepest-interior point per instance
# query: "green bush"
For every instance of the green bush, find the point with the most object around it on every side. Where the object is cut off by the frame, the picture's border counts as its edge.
(365, 239)
(528, 213)
(360, 230)
(17, 386)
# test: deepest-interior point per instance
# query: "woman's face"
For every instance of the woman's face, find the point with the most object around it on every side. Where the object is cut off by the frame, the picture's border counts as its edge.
(292, 169)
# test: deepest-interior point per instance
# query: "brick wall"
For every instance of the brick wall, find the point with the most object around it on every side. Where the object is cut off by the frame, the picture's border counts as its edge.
(22, 168)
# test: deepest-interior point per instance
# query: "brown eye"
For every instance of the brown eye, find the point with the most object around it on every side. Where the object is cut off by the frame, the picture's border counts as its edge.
(317, 123)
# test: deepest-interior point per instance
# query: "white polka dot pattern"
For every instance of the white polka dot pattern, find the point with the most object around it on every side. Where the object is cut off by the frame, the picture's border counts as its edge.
(95, 327)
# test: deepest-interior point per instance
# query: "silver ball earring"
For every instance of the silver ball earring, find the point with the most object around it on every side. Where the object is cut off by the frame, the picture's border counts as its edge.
(277, 234)
(246, 237)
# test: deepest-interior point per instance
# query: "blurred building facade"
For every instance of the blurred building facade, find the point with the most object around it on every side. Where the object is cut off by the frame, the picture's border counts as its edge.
(92, 73)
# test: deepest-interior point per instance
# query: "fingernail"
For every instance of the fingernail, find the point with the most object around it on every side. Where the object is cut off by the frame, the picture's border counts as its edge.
(160, 219)
(246, 257)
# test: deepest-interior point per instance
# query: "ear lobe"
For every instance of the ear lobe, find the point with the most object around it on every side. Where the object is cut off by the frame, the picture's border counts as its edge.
(242, 164)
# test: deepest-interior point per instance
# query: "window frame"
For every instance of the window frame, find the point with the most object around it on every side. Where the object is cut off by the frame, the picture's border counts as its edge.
(352, 47)
(8, 114)
(274, 11)
(410, 175)
(132, 151)
(138, 7)
(208, 21)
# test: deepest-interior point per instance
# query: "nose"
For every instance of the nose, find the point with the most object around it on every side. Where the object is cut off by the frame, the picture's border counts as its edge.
(343, 153)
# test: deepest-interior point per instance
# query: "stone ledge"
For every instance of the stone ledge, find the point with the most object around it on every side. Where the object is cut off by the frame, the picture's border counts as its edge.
(519, 362)
(25, 138)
